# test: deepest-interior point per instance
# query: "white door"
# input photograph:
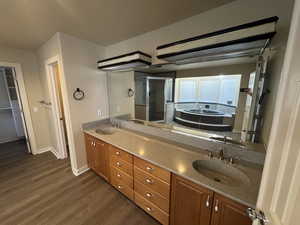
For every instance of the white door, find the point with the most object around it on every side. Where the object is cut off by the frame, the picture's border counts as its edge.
(20, 121)
(56, 124)
(279, 196)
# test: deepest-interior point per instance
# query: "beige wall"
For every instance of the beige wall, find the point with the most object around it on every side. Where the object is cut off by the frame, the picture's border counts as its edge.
(231, 14)
(48, 50)
(80, 69)
(228, 15)
(34, 89)
(118, 85)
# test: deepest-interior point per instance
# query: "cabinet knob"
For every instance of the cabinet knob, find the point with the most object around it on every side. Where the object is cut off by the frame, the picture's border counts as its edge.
(118, 164)
(149, 181)
(217, 206)
(148, 168)
(120, 187)
(148, 209)
(118, 175)
(207, 201)
(117, 153)
(149, 195)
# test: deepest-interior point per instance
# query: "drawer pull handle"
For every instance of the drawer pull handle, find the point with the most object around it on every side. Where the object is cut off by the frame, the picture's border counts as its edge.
(117, 153)
(217, 206)
(149, 195)
(120, 187)
(118, 164)
(118, 175)
(149, 181)
(148, 209)
(208, 202)
(148, 168)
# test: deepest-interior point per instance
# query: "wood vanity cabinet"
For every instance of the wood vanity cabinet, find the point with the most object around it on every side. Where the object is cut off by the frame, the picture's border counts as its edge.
(195, 205)
(152, 189)
(228, 212)
(121, 171)
(97, 156)
(167, 197)
(89, 147)
(190, 203)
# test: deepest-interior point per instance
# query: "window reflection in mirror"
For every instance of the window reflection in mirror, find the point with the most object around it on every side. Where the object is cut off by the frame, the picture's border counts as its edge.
(208, 99)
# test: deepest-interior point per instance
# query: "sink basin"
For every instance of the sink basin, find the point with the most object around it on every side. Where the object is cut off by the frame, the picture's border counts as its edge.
(220, 172)
(105, 130)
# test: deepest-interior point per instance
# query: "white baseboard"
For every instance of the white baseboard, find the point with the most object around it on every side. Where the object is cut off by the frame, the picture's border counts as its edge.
(53, 150)
(80, 171)
(49, 149)
(43, 150)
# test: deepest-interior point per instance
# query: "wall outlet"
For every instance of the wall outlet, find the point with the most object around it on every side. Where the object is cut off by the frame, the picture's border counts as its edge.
(99, 112)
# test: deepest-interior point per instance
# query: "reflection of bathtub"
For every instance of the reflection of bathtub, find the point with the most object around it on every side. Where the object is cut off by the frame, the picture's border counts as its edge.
(207, 119)
(204, 112)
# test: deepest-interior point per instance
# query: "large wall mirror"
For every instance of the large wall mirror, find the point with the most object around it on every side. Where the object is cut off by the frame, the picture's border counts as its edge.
(220, 100)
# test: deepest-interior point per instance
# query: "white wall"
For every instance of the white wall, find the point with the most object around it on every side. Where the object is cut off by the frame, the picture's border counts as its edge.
(29, 64)
(79, 59)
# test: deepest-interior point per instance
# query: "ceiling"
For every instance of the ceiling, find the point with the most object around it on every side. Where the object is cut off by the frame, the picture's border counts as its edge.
(27, 24)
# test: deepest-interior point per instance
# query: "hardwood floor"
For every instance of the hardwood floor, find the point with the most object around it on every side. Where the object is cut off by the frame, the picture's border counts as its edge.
(41, 190)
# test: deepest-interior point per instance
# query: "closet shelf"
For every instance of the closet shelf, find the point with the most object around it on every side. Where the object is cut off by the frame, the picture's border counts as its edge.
(6, 108)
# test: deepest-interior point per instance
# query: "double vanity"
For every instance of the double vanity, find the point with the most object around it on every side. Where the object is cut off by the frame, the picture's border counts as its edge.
(173, 183)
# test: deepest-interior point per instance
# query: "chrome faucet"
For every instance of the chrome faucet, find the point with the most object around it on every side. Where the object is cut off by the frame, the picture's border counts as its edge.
(221, 155)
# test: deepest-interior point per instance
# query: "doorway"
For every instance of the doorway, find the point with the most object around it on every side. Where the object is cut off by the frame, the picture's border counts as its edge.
(61, 148)
(159, 92)
(13, 129)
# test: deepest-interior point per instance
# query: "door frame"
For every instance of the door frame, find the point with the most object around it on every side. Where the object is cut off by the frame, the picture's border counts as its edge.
(148, 78)
(61, 152)
(279, 154)
(22, 97)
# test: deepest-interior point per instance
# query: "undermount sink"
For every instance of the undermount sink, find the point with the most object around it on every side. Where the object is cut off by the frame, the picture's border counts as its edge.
(105, 130)
(220, 172)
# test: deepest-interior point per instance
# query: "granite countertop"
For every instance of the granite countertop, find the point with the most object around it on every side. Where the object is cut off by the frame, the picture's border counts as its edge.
(178, 159)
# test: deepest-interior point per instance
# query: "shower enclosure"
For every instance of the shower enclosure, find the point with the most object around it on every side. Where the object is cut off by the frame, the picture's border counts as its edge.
(153, 95)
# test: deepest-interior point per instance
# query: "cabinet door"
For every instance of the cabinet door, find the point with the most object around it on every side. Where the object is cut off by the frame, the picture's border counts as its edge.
(228, 212)
(101, 159)
(190, 204)
(89, 146)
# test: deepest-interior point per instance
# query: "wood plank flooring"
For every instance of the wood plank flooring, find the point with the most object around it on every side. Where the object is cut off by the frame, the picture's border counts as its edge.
(41, 190)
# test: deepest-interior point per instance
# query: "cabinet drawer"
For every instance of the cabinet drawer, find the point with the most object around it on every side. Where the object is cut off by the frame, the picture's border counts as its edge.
(118, 175)
(152, 182)
(152, 196)
(151, 209)
(152, 169)
(123, 188)
(121, 165)
(114, 151)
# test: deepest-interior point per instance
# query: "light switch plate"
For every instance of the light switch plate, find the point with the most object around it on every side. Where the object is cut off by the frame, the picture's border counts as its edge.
(99, 112)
